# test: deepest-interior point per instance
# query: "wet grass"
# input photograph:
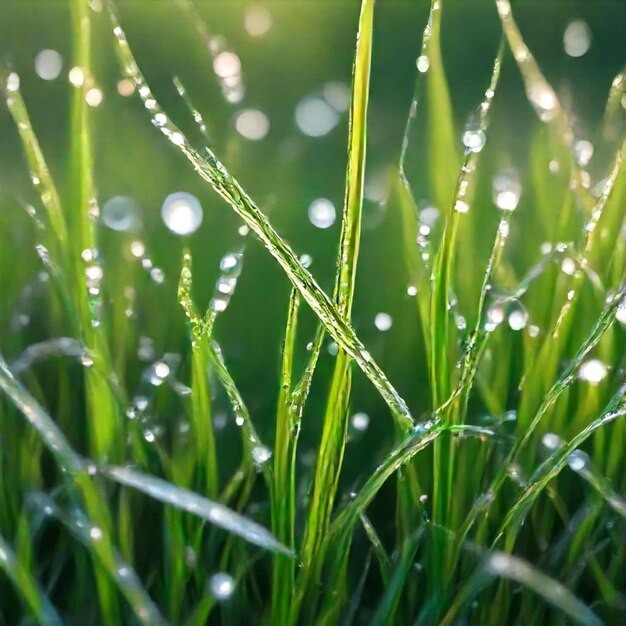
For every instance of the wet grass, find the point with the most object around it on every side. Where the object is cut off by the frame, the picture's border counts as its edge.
(501, 505)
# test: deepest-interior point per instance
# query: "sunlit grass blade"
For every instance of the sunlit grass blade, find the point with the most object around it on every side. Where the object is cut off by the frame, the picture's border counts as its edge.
(443, 332)
(332, 446)
(40, 173)
(216, 174)
(186, 500)
(27, 587)
(283, 496)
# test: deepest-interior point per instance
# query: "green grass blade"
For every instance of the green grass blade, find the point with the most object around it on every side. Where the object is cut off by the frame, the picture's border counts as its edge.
(332, 445)
(116, 567)
(225, 185)
(186, 500)
(27, 587)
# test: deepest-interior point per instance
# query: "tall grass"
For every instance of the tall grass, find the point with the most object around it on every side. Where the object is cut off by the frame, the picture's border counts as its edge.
(513, 518)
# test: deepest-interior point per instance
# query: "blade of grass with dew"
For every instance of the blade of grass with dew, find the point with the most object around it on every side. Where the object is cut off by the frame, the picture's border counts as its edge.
(442, 336)
(386, 610)
(283, 475)
(551, 352)
(539, 92)
(444, 159)
(117, 568)
(76, 469)
(564, 381)
(104, 417)
(501, 564)
(581, 463)
(216, 174)
(550, 468)
(339, 537)
(201, 406)
(332, 446)
(186, 500)
(24, 583)
(384, 562)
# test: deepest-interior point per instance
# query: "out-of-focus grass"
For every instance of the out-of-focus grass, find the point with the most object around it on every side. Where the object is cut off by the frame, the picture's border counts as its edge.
(511, 483)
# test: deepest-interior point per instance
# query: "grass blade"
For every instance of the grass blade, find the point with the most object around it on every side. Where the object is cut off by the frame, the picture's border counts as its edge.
(186, 500)
(225, 185)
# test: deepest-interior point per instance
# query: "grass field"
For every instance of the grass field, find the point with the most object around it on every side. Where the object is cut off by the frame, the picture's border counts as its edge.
(421, 422)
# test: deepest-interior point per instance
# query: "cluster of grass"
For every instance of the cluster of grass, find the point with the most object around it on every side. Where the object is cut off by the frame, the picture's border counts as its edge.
(515, 518)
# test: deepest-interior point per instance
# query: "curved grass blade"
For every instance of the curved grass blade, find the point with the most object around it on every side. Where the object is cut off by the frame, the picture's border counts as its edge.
(27, 587)
(186, 500)
(550, 468)
(386, 610)
(215, 173)
(503, 565)
(116, 567)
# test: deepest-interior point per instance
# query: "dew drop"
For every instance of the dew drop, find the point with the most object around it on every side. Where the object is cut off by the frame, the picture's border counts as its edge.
(48, 64)
(227, 64)
(95, 533)
(577, 460)
(221, 586)
(182, 213)
(518, 316)
(383, 321)
(360, 421)
(94, 97)
(315, 117)
(121, 213)
(257, 20)
(583, 151)
(76, 76)
(507, 190)
(577, 38)
(593, 371)
(252, 124)
(620, 314)
(322, 213)
(232, 264)
(551, 441)
(422, 63)
(13, 82)
(261, 454)
(474, 138)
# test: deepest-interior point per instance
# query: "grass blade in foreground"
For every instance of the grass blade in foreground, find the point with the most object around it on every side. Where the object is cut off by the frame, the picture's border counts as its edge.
(213, 512)
(215, 173)
(332, 445)
(501, 564)
(38, 603)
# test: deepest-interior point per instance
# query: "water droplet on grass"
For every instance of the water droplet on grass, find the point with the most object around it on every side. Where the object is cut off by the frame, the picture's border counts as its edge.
(507, 190)
(577, 460)
(593, 371)
(422, 63)
(261, 454)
